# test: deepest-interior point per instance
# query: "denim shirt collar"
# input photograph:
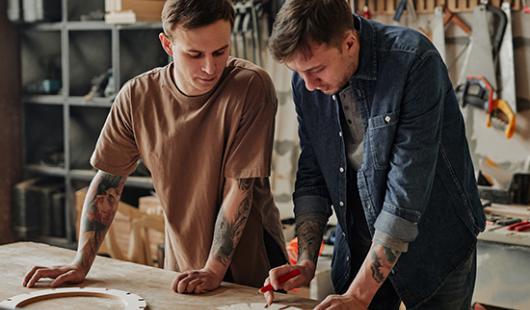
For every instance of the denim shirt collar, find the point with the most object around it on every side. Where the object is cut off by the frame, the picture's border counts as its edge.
(367, 69)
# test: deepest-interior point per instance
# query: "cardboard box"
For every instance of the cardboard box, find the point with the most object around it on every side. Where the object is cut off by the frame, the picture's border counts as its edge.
(131, 11)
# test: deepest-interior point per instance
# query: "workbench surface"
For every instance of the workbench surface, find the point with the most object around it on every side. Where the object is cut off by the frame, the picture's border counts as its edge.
(151, 283)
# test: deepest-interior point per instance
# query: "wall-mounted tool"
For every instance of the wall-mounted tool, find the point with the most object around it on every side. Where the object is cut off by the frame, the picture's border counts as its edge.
(402, 6)
(506, 61)
(366, 10)
(442, 19)
(246, 33)
(483, 51)
(478, 92)
(526, 8)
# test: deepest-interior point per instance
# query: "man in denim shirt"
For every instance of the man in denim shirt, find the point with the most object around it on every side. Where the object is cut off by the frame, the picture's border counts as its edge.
(382, 142)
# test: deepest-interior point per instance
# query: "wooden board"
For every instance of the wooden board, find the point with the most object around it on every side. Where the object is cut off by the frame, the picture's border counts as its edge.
(151, 283)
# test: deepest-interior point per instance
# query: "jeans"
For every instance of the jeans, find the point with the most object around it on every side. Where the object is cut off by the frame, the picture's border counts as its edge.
(456, 292)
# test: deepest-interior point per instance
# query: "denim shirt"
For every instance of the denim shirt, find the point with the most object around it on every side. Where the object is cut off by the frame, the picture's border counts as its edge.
(416, 181)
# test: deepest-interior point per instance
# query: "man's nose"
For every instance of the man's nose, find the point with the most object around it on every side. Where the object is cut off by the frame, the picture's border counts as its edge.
(208, 66)
(311, 83)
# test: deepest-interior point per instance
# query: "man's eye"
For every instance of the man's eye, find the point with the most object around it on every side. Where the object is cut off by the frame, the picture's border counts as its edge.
(195, 55)
(317, 70)
(219, 53)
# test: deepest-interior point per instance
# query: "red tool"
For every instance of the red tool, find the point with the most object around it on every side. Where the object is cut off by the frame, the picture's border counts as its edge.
(293, 273)
(526, 8)
(522, 226)
(366, 11)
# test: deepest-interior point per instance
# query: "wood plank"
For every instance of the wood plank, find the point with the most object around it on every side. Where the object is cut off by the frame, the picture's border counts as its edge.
(151, 283)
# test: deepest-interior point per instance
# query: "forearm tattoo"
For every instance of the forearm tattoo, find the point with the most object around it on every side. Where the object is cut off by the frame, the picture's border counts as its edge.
(229, 229)
(391, 255)
(309, 231)
(382, 264)
(99, 213)
(376, 267)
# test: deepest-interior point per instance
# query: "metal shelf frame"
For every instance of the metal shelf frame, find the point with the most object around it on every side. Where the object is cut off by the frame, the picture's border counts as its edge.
(66, 101)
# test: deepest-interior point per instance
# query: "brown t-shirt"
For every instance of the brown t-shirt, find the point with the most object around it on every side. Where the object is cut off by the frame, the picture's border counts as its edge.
(190, 145)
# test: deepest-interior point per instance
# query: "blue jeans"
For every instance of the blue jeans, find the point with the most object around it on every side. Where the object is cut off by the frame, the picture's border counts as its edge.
(456, 292)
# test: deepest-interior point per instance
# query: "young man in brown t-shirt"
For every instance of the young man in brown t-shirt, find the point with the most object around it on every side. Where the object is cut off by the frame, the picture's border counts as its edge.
(204, 126)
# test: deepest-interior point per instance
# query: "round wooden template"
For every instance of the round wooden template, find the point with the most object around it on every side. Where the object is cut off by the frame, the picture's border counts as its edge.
(129, 300)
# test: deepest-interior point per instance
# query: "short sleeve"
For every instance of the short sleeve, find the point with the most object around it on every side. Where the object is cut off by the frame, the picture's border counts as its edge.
(116, 151)
(250, 152)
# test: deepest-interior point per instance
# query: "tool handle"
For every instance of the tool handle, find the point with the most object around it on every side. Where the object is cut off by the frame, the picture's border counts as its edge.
(283, 278)
(498, 35)
(399, 10)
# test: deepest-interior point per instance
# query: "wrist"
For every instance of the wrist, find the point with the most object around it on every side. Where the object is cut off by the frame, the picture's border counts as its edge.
(217, 268)
(308, 267)
(81, 264)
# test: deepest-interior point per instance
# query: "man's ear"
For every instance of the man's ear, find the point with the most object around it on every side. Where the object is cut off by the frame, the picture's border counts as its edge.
(166, 44)
(350, 42)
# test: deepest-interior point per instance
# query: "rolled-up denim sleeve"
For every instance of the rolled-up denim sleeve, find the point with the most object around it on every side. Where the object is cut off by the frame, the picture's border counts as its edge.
(311, 194)
(314, 206)
(415, 150)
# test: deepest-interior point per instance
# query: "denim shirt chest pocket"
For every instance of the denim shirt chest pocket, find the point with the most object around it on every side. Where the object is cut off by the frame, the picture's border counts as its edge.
(380, 132)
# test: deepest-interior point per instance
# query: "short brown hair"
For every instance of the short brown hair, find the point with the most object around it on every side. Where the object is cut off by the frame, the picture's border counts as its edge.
(192, 14)
(300, 21)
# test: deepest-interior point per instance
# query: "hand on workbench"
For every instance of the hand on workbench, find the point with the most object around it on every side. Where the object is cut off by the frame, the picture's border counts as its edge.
(337, 302)
(61, 274)
(307, 272)
(196, 281)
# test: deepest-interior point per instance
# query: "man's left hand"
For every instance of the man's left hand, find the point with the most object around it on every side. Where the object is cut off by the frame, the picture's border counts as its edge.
(337, 302)
(196, 281)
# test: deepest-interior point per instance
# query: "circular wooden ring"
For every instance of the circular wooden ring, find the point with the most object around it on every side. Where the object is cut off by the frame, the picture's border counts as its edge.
(130, 300)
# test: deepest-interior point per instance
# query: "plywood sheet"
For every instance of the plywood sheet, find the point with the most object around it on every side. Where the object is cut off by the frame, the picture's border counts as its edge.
(149, 282)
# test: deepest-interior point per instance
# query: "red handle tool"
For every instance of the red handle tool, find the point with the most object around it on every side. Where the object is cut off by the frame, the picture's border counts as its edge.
(521, 226)
(293, 273)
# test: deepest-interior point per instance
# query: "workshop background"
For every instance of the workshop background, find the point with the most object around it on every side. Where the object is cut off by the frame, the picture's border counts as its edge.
(63, 61)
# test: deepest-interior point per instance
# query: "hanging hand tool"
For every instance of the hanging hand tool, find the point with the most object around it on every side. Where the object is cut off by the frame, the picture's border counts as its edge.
(402, 6)
(366, 10)
(450, 17)
(506, 88)
(478, 92)
(482, 55)
(526, 8)
(442, 19)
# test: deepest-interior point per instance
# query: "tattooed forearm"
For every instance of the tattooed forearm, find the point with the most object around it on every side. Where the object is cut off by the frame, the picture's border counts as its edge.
(309, 231)
(391, 255)
(376, 268)
(232, 219)
(100, 206)
(382, 262)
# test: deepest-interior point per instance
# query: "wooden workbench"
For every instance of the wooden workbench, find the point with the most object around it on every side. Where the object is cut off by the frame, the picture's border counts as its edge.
(153, 284)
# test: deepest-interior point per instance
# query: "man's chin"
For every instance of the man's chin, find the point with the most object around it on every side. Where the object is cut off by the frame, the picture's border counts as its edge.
(329, 91)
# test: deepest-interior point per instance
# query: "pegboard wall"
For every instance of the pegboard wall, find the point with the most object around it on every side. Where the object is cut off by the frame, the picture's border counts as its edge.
(388, 7)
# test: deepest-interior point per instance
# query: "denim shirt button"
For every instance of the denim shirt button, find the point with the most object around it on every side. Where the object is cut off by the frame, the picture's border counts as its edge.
(340, 133)
(341, 170)
(347, 258)
(334, 98)
(341, 203)
(343, 235)
(387, 119)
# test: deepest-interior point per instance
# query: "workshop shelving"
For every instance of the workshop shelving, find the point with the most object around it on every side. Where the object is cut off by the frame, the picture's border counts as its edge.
(62, 123)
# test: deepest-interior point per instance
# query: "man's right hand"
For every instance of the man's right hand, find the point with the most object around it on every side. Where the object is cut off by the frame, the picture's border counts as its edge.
(60, 274)
(307, 272)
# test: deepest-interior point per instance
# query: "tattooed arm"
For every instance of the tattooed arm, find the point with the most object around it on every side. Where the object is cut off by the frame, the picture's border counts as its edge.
(309, 231)
(231, 220)
(99, 208)
(375, 269)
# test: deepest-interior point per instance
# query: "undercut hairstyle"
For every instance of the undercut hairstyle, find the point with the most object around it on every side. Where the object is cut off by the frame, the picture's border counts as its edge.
(300, 22)
(192, 14)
